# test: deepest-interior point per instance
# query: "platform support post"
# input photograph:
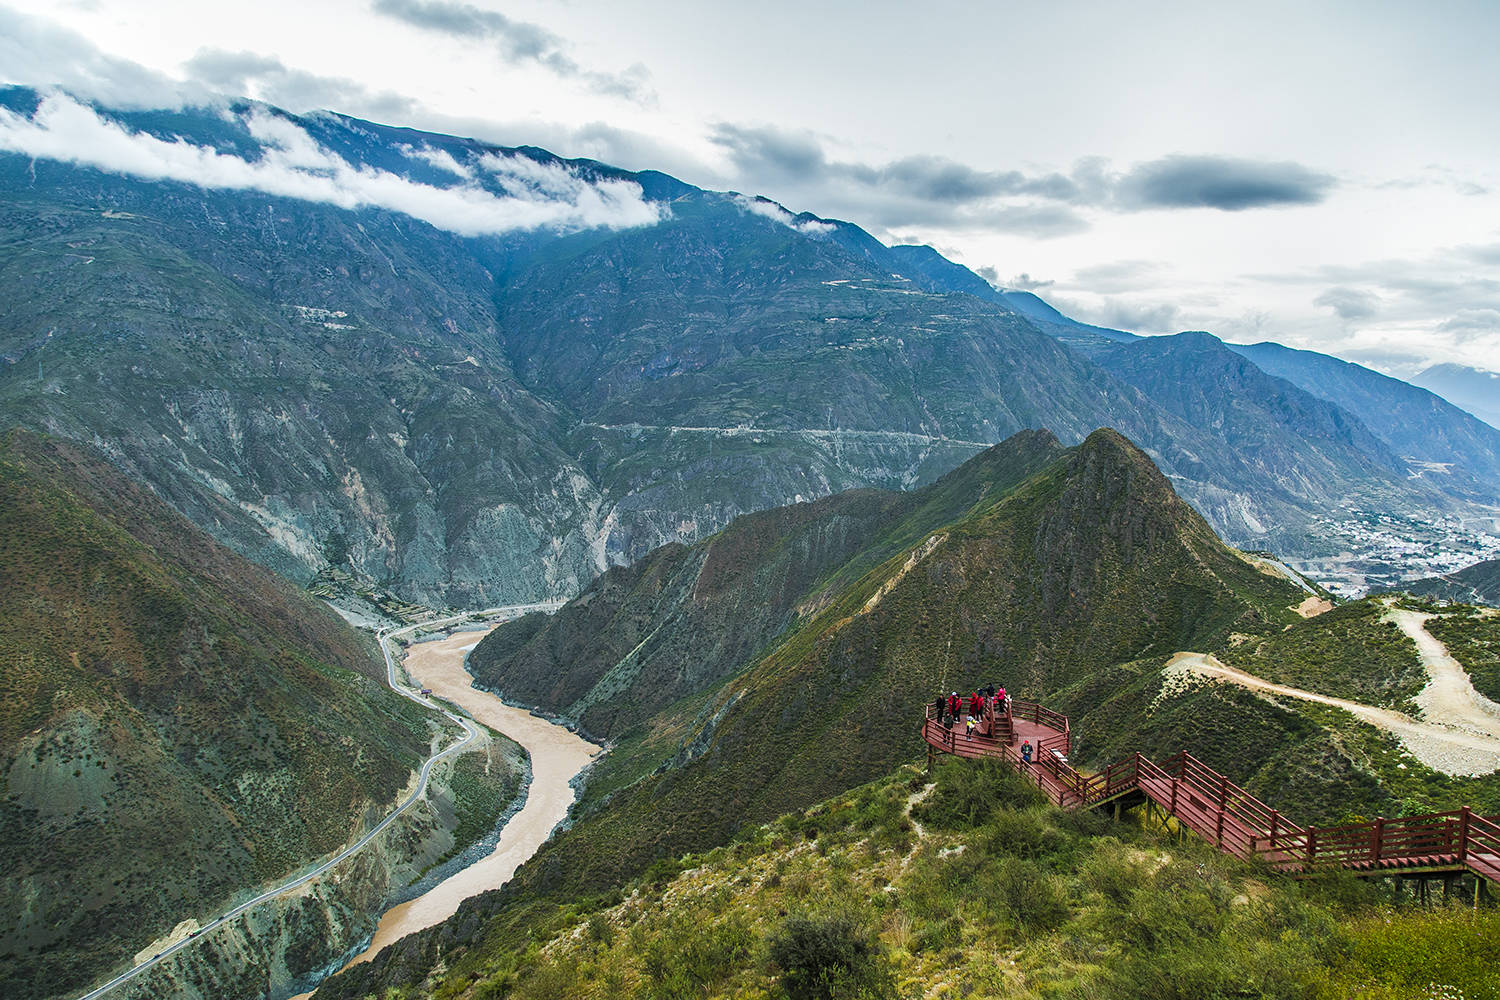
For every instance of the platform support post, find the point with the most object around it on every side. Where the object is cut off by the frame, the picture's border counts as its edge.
(1463, 836)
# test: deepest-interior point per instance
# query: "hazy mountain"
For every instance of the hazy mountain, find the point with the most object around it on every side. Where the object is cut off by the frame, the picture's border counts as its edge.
(1470, 389)
(1435, 437)
(178, 723)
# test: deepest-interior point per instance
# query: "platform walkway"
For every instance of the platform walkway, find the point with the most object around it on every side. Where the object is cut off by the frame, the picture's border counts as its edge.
(1221, 812)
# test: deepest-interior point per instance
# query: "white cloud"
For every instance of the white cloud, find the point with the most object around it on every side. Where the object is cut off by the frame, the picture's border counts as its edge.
(38, 53)
(293, 165)
(774, 212)
(439, 158)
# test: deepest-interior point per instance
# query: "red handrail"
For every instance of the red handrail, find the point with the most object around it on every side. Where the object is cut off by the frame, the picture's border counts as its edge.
(1208, 803)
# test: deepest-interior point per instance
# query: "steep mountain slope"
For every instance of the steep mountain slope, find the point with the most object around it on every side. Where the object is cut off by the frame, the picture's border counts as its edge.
(1435, 436)
(1091, 562)
(1299, 446)
(683, 619)
(177, 724)
(1470, 389)
(1477, 584)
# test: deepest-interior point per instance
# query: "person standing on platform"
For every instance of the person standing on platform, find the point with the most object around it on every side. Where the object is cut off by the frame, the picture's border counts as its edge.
(1026, 751)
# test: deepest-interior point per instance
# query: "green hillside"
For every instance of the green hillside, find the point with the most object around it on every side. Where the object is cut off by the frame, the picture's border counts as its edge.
(972, 886)
(176, 724)
(684, 619)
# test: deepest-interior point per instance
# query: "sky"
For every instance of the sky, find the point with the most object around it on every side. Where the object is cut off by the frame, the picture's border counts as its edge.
(1326, 175)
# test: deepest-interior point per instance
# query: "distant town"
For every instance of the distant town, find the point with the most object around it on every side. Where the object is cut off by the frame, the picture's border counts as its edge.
(1381, 551)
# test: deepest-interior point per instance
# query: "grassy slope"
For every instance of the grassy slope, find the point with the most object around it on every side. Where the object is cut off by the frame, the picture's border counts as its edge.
(175, 723)
(1091, 562)
(996, 895)
(1349, 652)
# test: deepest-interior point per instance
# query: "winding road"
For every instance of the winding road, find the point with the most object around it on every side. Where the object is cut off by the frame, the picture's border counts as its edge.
(1460, 731)
(471, 734)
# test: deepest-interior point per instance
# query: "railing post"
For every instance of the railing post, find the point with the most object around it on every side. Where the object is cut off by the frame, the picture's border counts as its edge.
(1379, 836)
(1312, 845)
(1175, 782)
(1463, 836)
(1275, 818)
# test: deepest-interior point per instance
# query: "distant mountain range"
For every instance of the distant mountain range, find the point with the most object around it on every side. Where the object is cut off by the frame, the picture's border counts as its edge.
(473, 417)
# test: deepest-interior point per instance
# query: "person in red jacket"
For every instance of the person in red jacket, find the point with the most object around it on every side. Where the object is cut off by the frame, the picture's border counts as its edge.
(955, 705)
(976, 704)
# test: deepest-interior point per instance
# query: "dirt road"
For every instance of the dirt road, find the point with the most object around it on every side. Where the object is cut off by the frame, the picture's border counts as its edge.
(1445, 748)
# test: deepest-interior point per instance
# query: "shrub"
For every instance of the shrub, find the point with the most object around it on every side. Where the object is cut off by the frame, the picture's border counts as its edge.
(824, 957)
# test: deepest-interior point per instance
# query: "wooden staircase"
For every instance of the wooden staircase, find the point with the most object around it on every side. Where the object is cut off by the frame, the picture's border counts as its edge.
(1224, 814)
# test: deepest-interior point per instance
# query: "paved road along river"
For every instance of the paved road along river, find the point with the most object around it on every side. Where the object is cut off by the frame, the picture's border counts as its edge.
(557, 755)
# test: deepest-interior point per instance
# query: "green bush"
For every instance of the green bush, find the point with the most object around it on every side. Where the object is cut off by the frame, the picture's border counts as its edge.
(827, 957)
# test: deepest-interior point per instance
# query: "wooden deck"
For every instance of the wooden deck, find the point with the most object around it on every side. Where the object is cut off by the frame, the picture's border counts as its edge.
(1213, 807)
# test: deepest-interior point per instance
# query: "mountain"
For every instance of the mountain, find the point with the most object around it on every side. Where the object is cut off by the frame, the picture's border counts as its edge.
(1477, 584)
(477, 375)
(684, 619)
(1471, 389)
(178, 723)
(1068, 576)
(1435, 437)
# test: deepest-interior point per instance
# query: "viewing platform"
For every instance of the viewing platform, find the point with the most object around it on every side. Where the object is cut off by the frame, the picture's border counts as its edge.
(1197, 798)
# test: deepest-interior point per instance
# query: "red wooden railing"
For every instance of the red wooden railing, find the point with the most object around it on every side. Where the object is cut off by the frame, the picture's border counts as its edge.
(1229, 817)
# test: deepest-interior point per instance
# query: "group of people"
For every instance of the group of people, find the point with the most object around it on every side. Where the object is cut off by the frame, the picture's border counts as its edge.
(953, 708)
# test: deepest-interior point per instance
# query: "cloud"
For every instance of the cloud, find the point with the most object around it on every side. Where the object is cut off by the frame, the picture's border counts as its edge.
(1467, 322)
(1225, 183)
(439, 158)
(518, 41)
(1118, 276)
(933, 191)
(1022, 282)
(1124, 314)
(266, 78)
(915, 190)
(37, 53)
(769, 209)
(292, 165)
(1350, 304)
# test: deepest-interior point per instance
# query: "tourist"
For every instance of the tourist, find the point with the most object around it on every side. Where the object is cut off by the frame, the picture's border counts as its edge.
(937, 708)
(1026, 751)
(969, 726)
